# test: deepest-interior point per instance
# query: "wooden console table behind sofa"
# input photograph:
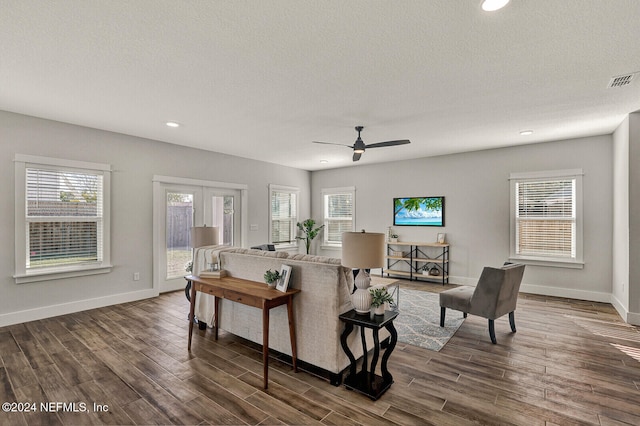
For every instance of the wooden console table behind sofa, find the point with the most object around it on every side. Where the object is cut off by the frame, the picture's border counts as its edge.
(248, 293)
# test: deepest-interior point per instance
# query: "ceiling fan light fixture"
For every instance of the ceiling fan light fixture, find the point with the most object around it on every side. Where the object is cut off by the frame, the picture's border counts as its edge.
(493, 5)
(359, 146)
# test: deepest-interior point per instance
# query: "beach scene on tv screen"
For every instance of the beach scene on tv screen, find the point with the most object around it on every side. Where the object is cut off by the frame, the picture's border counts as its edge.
(425, 211)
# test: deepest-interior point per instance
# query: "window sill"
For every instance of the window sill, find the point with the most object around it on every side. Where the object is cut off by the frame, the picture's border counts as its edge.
(60, 274)
(285, 246)
(547, 262)
(331, 247)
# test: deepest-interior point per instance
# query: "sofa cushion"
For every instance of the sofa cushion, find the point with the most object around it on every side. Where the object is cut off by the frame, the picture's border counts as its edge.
(458, 298)
(276, 254)
(316, 259)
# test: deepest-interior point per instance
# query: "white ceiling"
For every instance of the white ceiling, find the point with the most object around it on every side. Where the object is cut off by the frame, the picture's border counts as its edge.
(262, 79)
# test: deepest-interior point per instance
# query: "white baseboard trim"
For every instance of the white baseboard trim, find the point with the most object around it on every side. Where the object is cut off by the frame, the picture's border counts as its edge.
(628, 317)
(633, 318)
(71, 307)
(463, 281)
(592, 296)
(619, 306)
(164, 288)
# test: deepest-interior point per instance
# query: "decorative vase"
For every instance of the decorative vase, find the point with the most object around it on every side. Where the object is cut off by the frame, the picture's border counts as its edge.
(272, 284)
(361, 298)
(379, 310)
(434, 271)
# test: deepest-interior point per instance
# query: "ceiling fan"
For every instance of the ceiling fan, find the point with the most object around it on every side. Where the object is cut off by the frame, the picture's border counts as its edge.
(359, 146)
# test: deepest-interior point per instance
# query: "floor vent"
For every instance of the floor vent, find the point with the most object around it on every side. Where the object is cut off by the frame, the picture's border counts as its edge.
(621, 80)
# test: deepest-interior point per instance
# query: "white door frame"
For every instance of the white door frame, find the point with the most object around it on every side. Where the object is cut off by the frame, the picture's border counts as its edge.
(159, 184)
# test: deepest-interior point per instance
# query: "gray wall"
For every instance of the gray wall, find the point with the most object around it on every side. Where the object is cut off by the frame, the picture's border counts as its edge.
(476, 190)
(620, 251)
(634, 217)
(134, 162)
(475, 185)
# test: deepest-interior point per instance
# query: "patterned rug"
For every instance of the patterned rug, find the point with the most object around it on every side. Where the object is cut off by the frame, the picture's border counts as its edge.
(419, 321)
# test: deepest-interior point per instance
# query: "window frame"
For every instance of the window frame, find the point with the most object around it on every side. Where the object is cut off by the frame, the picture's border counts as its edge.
(21, 273)
(273, 188)
(326, 192)
(576, 262)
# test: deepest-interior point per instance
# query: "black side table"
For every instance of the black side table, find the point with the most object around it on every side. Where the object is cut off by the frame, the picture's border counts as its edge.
(367, 382)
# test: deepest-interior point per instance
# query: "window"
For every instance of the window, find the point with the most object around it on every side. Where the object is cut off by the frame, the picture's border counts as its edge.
(546, 218)
(339, 211)
(62, 218)
(283, 215)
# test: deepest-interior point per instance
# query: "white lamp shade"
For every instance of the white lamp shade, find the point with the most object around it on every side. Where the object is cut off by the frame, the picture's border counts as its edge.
(363, 250)
(204, 236)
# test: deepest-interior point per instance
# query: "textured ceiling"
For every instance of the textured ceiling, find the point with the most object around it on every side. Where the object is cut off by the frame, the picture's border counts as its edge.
(262, 79)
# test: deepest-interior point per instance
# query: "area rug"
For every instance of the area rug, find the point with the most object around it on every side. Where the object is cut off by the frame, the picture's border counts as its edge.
(419, 321)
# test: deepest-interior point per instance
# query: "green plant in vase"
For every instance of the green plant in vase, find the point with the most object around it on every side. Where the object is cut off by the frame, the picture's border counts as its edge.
(307, 227)
(380, 296)
(271, 277)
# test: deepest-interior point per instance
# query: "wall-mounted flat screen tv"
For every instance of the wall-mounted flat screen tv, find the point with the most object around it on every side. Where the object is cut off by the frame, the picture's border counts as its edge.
(418, 211)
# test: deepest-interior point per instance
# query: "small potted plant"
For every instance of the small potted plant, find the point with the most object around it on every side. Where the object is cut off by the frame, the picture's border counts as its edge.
(380, 296)
(271, 278)
(393, 238)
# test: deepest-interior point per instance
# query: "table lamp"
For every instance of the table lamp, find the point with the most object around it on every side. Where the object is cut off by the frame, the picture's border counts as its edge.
(203, 236)
(362, 250)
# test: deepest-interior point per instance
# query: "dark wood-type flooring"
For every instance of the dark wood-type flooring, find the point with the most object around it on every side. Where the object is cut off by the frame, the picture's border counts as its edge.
(571, 362)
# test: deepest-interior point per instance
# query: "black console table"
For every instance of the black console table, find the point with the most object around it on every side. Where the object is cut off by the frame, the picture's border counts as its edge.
(366, 381)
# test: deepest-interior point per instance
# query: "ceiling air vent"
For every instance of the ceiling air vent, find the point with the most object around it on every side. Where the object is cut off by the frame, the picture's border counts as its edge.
(621, 80)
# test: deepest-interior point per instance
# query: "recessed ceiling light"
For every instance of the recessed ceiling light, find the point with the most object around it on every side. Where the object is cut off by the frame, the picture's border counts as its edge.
(493, 5)
(172, 124)
(526, 132)
(324, 161)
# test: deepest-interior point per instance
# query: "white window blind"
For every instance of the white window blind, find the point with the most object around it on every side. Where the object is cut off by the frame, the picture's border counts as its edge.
(284, 215)
(546, 216)
(62, 216)
(338, 214)
(64, 213)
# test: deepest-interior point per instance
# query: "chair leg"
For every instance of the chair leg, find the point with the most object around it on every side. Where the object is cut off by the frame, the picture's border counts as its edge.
(512, 321)
(442, 313)
(492, 332)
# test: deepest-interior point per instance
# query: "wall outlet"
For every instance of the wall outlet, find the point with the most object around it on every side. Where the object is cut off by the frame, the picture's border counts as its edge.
(136, 276)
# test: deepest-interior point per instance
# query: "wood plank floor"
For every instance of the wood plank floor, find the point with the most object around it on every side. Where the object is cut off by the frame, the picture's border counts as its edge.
(571, 362)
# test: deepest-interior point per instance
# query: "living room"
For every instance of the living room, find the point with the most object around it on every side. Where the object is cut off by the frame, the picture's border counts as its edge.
(472, 180)
(475, 183)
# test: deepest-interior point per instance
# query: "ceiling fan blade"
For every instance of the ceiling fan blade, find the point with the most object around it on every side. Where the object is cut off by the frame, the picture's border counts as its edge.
(356, 156)
(331, 143)
(389, 143)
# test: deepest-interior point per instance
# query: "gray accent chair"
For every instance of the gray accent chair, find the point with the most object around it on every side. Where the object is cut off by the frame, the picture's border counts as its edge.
(495, 295)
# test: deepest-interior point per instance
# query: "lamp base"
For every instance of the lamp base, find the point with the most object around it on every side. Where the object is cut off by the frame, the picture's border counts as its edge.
(361, 298)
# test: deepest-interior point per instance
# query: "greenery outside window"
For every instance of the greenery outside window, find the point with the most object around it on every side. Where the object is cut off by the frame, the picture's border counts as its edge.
(283, 215)
(546, 218)
(339, 213)
(62, 218)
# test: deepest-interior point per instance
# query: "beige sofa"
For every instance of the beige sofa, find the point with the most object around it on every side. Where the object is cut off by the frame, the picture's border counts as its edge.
(325, 294)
